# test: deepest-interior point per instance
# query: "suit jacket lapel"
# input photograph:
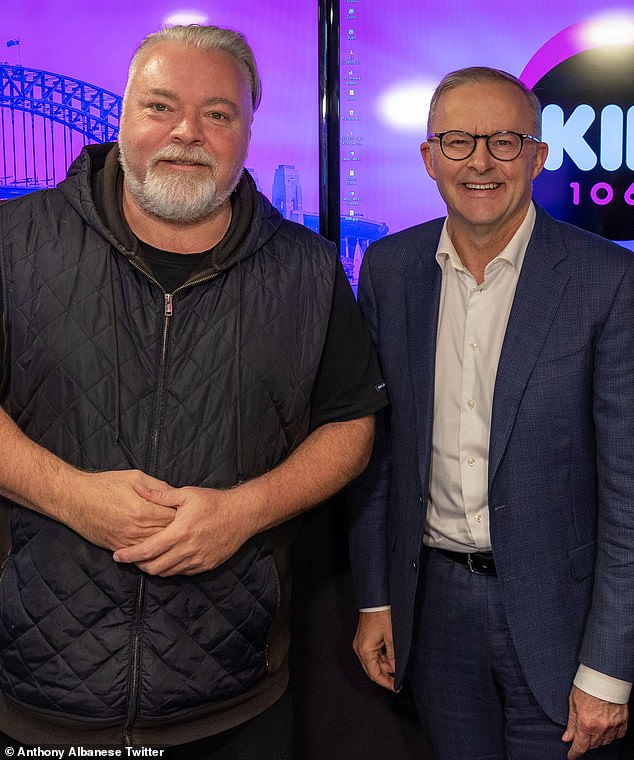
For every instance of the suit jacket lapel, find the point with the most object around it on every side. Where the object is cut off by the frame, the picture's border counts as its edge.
(537, 297)
(422, 299)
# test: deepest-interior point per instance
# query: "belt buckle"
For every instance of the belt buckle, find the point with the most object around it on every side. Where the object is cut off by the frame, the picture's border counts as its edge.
(480, 565)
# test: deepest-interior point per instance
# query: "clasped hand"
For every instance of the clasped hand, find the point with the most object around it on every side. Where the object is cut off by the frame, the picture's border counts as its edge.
(207, 527)
(161, 529)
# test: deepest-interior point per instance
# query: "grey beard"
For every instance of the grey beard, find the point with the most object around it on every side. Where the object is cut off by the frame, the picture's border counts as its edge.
(180, 198)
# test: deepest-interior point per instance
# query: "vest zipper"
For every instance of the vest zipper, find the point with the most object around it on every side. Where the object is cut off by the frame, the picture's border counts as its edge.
(135, 669)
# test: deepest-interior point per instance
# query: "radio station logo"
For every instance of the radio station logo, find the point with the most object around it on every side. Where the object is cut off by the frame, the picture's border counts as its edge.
(586, 89)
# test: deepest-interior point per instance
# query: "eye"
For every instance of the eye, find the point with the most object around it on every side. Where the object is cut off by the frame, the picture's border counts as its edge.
(158, 107)
(217, 116)
(456, 141)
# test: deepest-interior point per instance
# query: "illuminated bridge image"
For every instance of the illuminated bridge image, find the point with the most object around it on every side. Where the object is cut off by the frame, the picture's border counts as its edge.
(46, 119)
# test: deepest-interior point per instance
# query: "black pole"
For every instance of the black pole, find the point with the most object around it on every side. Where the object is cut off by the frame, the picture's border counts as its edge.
(329, 192)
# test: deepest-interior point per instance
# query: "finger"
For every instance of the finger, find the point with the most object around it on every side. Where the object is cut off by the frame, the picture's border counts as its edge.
(614, 733)
(607, 738)
(389, 655)
(165, 567)
(145, 551)
(156, 515)
(569, 733)
(163, 496)
(382, 677)
(386, 681)
(370, 664)
(149, 481)
(581, 743)
(377, 671)
(387, 665)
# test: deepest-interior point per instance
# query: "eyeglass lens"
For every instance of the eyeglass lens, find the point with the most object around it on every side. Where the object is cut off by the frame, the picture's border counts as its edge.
(504, 146)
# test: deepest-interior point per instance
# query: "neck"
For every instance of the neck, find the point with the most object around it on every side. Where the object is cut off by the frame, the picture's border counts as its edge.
(175, 237)
(478, 246)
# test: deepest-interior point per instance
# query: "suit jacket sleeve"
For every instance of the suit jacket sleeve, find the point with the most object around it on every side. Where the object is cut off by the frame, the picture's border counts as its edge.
(608, 643)
(368, 496)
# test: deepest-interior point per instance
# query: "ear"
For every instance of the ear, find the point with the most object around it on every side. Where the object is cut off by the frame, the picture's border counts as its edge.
(541, 154)
(425, 151)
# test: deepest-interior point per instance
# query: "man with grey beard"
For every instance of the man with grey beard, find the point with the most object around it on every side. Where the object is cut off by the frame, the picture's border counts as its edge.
(183, 372)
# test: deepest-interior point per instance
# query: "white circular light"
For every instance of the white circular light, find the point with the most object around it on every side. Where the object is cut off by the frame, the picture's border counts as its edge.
(185, 17)
(404, 106)
(615, 28)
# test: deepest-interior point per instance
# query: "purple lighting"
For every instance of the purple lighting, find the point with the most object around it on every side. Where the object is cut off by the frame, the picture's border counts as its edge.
(611, 28)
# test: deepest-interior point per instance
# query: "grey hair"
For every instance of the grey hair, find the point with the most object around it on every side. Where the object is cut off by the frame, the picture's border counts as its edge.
(478, 74)
(206, 38)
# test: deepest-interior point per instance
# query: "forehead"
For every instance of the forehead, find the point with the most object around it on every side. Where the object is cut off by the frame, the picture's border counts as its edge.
(189, 72)
(483, 107)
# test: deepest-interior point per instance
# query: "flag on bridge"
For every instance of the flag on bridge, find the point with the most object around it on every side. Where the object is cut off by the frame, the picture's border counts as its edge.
(11, 43)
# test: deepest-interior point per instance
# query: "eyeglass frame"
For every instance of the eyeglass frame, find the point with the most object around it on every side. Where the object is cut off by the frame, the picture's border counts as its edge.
(440, 135)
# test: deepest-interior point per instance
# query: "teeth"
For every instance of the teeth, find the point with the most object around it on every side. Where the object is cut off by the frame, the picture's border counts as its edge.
(489, 186)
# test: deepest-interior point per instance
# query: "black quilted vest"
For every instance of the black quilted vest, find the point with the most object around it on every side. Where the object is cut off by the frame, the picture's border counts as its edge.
(216, 393)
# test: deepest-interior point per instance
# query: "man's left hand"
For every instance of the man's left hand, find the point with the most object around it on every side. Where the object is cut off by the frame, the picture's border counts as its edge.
(208, 528)
(592, 723)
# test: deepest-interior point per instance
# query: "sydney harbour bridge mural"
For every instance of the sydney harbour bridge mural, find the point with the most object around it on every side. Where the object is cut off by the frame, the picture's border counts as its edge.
(46, 119)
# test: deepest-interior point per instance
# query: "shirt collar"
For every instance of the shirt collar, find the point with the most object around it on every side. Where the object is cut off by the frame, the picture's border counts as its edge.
(513, 252)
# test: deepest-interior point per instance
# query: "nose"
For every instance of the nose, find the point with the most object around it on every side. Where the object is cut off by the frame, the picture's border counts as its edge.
(188, 129)
(481, 160)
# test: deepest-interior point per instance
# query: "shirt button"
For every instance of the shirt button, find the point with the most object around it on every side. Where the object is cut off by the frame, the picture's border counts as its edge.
(471, 403)
(471, 461)
(478, 518)
(474, 345)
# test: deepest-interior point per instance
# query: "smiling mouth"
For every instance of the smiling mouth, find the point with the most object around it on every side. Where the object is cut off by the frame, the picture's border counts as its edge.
(183, 163)
(487, 186)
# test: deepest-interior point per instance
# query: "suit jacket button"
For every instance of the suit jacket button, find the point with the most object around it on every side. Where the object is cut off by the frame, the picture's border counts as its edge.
(414, 566)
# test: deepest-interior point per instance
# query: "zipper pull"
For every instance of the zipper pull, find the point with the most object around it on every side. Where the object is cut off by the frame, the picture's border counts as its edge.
(169, 308)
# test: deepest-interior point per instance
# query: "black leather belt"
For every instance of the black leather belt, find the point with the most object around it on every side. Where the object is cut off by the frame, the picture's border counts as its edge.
(478, 562)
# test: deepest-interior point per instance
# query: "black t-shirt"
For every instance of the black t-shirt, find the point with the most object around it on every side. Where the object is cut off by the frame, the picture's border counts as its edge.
(348, 384)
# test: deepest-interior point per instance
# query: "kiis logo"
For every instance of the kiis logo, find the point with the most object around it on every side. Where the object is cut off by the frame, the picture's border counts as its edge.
(569, 135)
(587, 98)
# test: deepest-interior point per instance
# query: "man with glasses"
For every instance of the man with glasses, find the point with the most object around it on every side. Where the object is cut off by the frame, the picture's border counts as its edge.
(492, 534)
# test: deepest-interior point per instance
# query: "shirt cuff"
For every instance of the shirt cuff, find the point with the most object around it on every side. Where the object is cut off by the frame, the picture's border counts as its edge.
(602, 686)
(375, 609)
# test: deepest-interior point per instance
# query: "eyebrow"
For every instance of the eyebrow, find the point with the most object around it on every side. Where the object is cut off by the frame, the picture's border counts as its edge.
(171, 95)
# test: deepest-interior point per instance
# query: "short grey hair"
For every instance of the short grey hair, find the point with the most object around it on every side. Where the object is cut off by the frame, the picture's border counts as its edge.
(207, 38)
(478, 74)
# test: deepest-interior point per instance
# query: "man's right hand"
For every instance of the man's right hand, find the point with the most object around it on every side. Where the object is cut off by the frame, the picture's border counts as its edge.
(105, 508)
(374, 647)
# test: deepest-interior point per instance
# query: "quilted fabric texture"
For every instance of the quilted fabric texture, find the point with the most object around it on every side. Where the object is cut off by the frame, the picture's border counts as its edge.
(216, 393)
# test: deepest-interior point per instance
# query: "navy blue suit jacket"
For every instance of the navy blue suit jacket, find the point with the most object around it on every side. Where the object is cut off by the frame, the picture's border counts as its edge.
(561, 453)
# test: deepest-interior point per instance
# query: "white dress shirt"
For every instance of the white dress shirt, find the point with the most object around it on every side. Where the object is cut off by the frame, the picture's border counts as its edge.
(472, 322)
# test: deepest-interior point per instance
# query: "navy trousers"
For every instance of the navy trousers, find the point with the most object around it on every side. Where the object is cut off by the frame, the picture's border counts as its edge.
(467, 682)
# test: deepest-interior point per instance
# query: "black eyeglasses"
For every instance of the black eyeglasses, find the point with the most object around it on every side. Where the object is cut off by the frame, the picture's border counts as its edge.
(504, 146)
